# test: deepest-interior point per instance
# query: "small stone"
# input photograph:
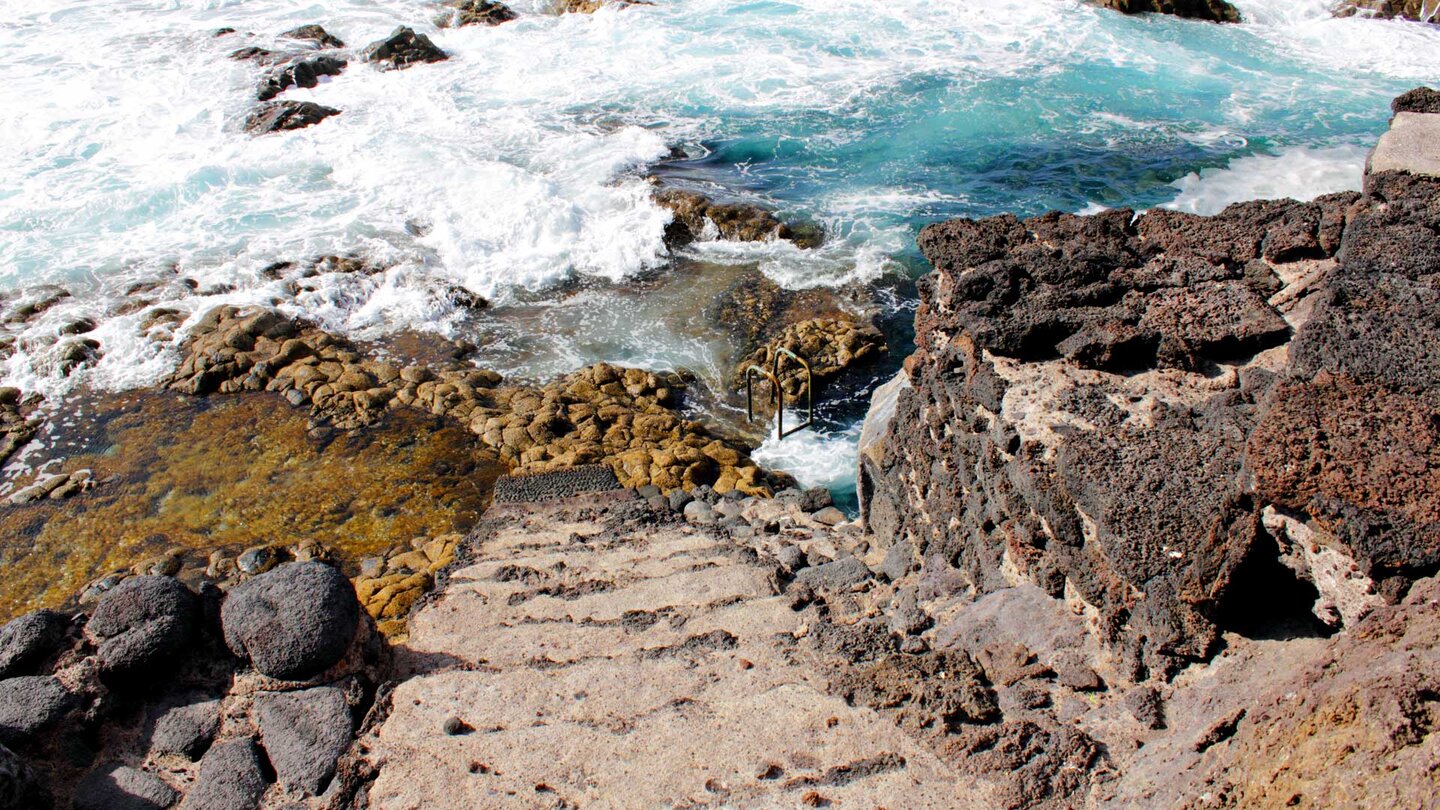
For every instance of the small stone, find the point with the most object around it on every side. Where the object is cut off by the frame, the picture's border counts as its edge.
(679, 498)
(728, 509)
(257, 560)
(816, 498)
(454, 727)
(1147, 706)
(119, 787)
(648, 491)
(699, 513)
(792, 557)
(841, 575)
(830, 516)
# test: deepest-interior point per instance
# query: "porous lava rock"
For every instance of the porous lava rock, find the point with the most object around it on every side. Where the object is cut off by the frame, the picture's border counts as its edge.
(293, 622)
(477, 12)
(231, 777)
(31, 704)
(1121, 410)
(1416, 10)
(303, 72)
(120, 787)
(697, 217)
(29, 639)
(304, 733)
(142, 626)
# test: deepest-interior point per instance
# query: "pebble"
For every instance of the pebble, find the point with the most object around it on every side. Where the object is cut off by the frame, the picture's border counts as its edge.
(700, 513)
(830, 516)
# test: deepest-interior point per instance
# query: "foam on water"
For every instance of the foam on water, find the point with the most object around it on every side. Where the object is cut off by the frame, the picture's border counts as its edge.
(816, 459)
(516, 165)
(1299, 173)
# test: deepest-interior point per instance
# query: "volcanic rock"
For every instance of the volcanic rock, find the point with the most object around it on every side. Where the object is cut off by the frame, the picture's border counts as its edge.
(119, 787)
(26, 641)
(316, 34)
(402, 49)
(283, 116)
(1212, 10)
(304, 72)
(698, 217)
(142, 626)
(29, 705)
(294, 622)
(1417, 10)
(231, 777)
(304, 733)
(477, 12)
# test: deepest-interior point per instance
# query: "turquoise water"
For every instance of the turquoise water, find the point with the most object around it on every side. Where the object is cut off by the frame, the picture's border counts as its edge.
(517, 165)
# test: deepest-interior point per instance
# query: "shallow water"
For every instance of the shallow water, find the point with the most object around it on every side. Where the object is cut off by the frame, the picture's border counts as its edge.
(518, 162)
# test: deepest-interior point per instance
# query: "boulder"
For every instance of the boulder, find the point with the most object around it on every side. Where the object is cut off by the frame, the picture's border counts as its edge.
(1212, 10)
(142, 626)
(231, 777)
(27, 641)
(29, 705)
(304, 733)
(186, 730)
(402, 49)
(293, 622)
(316, 34)
(1418, 100)
(477, 12)
(119, 787)
(283, 116)
(304, 72)
(1416, 10)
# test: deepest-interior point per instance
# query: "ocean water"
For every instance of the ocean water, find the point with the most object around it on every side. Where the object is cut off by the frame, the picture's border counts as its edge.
(515, 170)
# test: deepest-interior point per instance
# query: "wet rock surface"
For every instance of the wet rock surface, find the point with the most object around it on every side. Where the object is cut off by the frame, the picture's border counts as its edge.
(477, 12)
(303, 72)
(1417, 10)
(285, 116)
(1212, 10)
(402, 49)
(698, 217)
(625, 418)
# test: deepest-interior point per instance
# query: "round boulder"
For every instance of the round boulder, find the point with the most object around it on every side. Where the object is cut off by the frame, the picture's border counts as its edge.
(293, 622)
(29, 705)
(142, 625)
(28, 640)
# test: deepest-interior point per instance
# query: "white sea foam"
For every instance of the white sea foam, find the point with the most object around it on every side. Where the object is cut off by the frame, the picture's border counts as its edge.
(815, 459)
(515, 161)
(1300, 173)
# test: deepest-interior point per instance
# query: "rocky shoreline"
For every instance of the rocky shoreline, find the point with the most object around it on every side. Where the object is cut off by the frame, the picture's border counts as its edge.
(1147, 520)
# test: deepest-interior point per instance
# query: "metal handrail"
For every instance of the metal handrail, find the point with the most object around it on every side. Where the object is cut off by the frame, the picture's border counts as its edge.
(777, 393)
(780, 432)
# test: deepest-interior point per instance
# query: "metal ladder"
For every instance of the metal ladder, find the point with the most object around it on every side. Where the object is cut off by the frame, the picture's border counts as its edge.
(777, 393)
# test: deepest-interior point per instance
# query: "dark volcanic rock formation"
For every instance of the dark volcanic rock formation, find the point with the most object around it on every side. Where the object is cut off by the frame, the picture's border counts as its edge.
(28, 640)
(699, 217)
(402, 49)
(1141, 415)
(304, 72)
(141, 626)
(316, 34)
(294, 622)
(1213, 10)
(477, 12)
(282, 116)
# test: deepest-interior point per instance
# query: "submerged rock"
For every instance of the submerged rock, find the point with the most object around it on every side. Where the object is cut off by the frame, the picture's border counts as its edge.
(283, 116)
(294, 622)
(402, 49)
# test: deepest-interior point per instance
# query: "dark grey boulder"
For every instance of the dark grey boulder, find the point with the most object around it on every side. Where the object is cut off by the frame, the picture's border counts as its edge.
(304, 733)
(186, 730)
(402, 49)
(231, 778)
(303, 72)
(25, 642)
(283, 116)
(29, 705)
(840, 575)
(120, 787)
(142, 626)
(293, 622)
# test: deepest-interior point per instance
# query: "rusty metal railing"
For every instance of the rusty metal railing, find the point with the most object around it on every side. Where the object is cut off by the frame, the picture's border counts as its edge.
(777, 391)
